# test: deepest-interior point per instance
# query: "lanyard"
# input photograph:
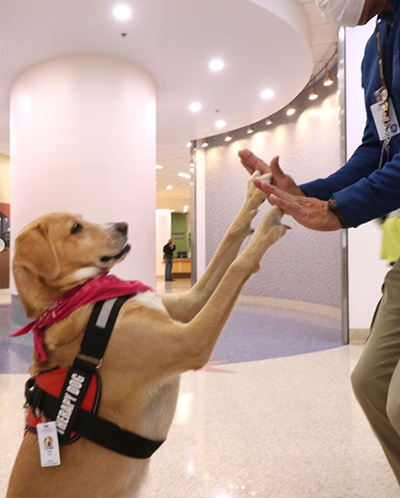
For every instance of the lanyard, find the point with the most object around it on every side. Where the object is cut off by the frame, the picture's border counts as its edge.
(382, 95)
(380, 57)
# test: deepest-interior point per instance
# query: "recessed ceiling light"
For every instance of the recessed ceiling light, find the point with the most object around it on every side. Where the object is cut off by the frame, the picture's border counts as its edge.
(185, 175)
(267, 94)
(189, 144)
(195, 106)
(122, 12)
(204, 143)
(220, 123)
(169, 187)
(216, 65)
(228, 138)
(158, 166)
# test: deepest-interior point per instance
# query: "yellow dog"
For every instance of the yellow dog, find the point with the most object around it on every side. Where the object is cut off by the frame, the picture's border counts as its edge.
(155, 339)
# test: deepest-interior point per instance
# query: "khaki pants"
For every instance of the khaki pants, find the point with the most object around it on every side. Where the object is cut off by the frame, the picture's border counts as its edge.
(376, 378)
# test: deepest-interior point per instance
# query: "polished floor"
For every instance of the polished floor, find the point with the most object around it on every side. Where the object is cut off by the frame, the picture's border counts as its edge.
(271, 416)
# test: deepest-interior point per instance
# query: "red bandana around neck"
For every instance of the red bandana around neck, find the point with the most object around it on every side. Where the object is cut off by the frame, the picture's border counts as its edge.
(103, 287)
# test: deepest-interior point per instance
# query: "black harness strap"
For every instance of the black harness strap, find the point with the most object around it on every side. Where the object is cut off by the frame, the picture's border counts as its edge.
(100, 326)
(113, 437)
(72, 395)
(97, 429)
(94, 344)
(89, 425)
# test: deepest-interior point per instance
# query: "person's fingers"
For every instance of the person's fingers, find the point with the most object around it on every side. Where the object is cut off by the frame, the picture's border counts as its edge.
(266, 187)
(243, 159)
(278, 197)
(248, 167)
(276, 169)
(247, 160)
(286, 205)
(245, 155)
(251, 162)
(261, 184)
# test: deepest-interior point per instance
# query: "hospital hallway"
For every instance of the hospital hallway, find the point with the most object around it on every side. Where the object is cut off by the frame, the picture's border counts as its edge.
(272, 415)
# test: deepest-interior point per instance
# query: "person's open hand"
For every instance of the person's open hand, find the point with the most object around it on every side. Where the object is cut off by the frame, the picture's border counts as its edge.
(308, 211)
(253, 163)
(283, 192)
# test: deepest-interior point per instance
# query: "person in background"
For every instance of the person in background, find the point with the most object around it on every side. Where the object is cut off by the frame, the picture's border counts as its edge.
(365, 188)
(168, 250)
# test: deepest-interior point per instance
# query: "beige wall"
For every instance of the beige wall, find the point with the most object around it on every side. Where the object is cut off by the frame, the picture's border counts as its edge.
(304, 265)
(4, 179)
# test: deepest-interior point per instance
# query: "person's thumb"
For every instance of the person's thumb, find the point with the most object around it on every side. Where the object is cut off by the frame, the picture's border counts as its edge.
(275, 168)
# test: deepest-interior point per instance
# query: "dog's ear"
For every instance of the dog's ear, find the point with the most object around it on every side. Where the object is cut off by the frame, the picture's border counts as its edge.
(35, 251)
(34, 259)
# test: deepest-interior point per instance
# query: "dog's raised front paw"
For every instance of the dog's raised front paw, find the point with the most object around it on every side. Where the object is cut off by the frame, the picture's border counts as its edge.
(254, 194)
(274, 215)
(271, 224)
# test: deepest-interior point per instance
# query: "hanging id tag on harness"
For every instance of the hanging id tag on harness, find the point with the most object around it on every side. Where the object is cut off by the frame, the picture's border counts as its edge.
(393, 127)
(48, 444)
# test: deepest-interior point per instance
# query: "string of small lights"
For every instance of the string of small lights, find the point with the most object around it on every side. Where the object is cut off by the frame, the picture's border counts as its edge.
(290, 109)
(328, 80)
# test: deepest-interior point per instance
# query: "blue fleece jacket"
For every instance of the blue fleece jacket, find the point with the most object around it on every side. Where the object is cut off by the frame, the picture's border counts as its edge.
(361, 190)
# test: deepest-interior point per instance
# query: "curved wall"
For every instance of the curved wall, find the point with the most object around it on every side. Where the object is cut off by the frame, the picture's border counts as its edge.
(305, 265)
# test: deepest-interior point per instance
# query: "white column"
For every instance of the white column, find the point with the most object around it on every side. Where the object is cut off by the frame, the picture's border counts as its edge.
(83, 140)
(200, 212)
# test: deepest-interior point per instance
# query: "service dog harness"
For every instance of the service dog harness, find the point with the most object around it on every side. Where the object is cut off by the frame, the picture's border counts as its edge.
(71, 396)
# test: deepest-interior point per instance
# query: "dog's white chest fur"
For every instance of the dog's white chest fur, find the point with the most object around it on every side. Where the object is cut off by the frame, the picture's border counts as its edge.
(151, 300)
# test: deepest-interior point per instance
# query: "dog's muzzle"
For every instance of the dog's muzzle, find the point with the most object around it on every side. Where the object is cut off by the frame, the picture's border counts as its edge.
(116, 257)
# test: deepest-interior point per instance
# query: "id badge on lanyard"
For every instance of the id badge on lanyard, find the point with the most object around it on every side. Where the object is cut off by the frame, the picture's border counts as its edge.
(386, 130)
(383, 110)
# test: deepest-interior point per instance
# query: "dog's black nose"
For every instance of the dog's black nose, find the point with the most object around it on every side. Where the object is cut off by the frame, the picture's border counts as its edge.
(122, 228)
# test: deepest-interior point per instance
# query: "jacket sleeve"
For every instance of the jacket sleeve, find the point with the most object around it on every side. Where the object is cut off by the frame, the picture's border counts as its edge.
(373, 196)
(362, 191)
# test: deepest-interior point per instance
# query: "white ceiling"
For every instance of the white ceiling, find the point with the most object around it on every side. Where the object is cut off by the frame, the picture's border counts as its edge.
(263, 43)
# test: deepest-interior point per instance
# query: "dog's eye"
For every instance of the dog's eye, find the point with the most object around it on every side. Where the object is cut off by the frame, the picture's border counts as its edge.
(76, 228)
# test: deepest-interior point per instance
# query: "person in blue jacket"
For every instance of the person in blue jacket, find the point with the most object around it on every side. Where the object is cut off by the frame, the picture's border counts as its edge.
(365, 188)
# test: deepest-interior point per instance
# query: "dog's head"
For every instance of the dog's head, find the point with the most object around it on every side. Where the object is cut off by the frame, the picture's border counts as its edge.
(57, 251)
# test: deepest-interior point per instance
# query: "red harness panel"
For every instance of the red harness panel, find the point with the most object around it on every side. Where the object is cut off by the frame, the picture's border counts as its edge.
(52, 382)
